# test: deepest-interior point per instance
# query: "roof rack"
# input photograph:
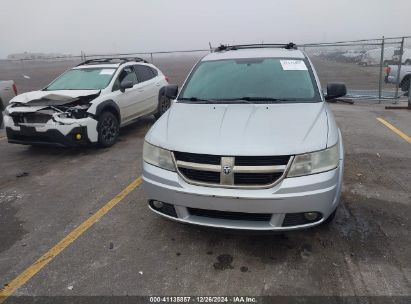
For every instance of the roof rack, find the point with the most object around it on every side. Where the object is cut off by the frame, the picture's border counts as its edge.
(287, 46)
(112, 60)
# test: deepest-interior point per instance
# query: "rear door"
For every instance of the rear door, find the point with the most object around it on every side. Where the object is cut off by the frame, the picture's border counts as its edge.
(149, 85)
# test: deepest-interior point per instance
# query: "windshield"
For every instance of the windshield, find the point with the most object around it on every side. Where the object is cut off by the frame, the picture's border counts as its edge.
(83, 79)
(253, 80)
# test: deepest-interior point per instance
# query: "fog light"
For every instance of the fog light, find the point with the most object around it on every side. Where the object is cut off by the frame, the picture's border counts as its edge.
(158, 205)
(78, 136)
(310, 216)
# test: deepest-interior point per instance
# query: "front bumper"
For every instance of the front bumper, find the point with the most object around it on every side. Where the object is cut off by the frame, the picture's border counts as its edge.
(52, 132)
(314, 193)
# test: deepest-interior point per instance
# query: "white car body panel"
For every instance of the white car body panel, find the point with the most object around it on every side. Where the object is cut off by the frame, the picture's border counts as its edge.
(63, 95)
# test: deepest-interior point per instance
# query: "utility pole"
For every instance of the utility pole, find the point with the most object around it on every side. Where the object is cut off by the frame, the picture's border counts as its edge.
(381, 64)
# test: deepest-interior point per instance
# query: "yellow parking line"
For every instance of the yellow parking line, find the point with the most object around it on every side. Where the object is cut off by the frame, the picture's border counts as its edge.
(395, 130)
(27, 274)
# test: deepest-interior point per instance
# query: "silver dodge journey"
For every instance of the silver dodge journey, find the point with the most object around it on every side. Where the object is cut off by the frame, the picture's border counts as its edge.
(249, 143)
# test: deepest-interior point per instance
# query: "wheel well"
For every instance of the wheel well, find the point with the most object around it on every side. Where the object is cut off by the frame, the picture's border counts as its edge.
(111, 110)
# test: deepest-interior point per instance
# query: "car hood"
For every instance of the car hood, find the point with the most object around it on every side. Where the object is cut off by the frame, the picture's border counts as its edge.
(242, 129)
(52, 97)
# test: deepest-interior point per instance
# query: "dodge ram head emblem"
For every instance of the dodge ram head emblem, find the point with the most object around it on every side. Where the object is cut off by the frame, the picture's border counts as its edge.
(227, 170)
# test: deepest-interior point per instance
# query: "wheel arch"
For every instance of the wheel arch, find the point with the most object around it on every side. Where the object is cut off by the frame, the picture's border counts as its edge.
(110, 106)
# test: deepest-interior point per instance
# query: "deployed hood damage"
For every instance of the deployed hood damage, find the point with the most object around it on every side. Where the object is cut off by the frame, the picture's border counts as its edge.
(41, 106)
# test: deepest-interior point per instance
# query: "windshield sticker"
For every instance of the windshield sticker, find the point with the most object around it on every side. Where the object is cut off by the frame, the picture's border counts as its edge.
(293, 65)
(107, 72)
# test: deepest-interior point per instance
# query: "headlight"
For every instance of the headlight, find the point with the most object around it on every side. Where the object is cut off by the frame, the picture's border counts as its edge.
(158, 157)
(315, 162)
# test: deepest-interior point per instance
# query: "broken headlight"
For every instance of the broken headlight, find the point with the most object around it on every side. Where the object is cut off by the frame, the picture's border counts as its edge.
(77, 112)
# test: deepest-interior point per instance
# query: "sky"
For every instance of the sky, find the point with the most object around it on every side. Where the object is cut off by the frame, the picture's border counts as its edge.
(101, 26)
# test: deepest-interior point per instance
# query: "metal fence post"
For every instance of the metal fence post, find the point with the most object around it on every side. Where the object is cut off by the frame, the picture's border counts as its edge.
(151, 56)
(381, 64)
(399, 70)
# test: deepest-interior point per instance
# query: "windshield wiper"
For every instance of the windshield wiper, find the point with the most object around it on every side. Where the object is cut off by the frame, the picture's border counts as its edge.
(261, 99)
(200, 100)
(213, 101)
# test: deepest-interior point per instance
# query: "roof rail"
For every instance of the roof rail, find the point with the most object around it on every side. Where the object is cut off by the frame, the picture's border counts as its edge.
(288, 46)
(112, 60)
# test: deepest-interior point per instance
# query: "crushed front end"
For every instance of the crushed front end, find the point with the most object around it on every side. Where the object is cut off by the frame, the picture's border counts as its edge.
(52, 120)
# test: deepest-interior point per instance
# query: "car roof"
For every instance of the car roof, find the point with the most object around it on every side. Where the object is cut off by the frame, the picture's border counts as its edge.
(110, 65)
(254, 53)
(100, 66)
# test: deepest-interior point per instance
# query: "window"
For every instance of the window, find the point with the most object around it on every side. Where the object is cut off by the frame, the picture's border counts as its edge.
(83, 79)
(126, 74)
(144, 72)
(271, 78)
(155, 72)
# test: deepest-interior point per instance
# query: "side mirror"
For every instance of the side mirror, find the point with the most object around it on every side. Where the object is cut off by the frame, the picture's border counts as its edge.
(126, 84)
(171, 91)
(335, 90)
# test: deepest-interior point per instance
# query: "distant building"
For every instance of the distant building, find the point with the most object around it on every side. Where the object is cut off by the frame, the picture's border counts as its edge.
(37, 56)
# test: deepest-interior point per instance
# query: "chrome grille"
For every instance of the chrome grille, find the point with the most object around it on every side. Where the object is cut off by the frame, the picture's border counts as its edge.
(230, 171)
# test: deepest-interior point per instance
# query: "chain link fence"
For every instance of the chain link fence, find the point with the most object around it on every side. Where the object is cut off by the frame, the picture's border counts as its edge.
(364, 66)
(361, 64)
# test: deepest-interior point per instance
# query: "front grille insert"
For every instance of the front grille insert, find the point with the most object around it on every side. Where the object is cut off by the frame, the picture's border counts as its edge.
(228, 171)
(227, 215)
(256, 178)
(167, 209)
(198, 158)
(202, 176)
(297, 219)
(31, 118)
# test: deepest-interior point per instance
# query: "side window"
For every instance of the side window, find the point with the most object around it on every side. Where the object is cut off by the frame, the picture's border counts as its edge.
(144, 72)
(126, 74)
(155, 72)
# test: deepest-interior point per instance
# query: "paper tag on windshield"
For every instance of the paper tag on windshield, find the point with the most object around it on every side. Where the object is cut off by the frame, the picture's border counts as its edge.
(293, 65)
(107, 72)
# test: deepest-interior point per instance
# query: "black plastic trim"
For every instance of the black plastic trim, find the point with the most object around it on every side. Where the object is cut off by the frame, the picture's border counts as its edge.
(29, 136)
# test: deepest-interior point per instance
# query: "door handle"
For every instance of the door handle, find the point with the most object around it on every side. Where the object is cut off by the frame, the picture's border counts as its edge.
(158, 84)
(140, 90)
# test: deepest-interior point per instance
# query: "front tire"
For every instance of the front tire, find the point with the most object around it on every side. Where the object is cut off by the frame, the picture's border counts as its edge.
(108, 129)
